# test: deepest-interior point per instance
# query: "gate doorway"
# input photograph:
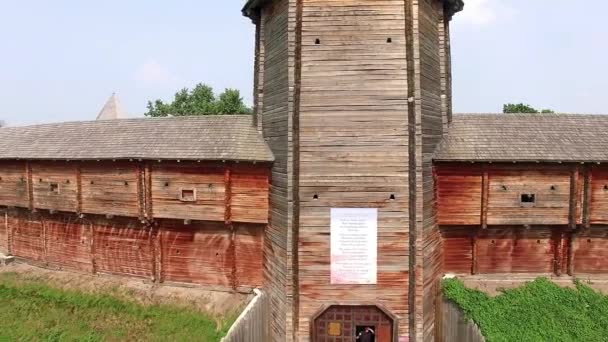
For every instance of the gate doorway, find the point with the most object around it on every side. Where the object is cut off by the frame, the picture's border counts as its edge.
(342, 323)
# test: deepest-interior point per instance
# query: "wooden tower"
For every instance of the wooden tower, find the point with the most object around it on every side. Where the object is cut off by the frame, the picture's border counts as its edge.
(352, 96)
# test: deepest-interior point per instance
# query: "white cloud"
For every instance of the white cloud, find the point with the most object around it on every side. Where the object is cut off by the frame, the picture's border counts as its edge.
(484, 12)
(152, 72)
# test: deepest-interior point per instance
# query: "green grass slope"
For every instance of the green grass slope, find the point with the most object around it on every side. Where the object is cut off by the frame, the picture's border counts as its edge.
(34, 311)
(538, 311)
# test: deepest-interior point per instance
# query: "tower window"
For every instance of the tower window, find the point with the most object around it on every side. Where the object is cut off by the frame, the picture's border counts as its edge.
(528, 199)
(317, 41)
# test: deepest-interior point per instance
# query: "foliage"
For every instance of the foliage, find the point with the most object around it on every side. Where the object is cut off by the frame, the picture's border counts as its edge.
(539, 311)
(510, 108)
(34, 311)
(199, 101)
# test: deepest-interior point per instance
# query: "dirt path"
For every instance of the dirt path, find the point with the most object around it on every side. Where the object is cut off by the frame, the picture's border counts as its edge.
(145, 292)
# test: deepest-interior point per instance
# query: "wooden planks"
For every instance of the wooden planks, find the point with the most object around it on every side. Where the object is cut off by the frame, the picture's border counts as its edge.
(54, 186)
(123, 247)
(13, 185)
(4, 236)
(206, 184)
(110, 189)
(198, 254)
(67, 242)
(27, 232)
(249, 255)
(459, 190)
(458, 250)
(249, 195)
(590, 251)
(515, 250)
(352, 75)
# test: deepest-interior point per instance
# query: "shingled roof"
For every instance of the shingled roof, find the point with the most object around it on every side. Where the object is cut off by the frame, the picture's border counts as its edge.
(222, 137)
(526, 137)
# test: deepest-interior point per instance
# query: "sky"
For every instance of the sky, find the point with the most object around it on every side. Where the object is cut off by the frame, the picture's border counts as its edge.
(60, 60)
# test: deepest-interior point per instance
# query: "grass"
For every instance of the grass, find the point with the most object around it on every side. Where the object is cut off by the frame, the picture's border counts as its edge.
(35, 311)
(537, 311)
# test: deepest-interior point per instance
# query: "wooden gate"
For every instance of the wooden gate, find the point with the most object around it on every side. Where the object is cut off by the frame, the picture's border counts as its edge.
(341, 323)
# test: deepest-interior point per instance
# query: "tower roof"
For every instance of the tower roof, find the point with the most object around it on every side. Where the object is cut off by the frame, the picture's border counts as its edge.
(451, 6)
(112, 110)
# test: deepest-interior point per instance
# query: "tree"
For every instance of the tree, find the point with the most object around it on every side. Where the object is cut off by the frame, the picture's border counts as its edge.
(511, 108)
(199, 101)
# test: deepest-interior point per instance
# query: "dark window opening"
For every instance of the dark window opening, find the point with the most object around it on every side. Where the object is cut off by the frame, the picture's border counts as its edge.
(362, 330)
(317, 41)
(389, 40)
(553, 188)
(528, 199)
(315, 197)
(126, 183)
(392, 198)
(188, 195)
(504, 188)
(54, 188)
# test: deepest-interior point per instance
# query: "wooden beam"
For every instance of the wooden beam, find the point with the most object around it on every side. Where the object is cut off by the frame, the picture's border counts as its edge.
(573, 197)
(159, 255)
(557, 243)
(148, 192)
(30, 185)
(141, 196)
(587, 198)
(228, 223)
(78, 189)
(485, 194)
(474, 252)
(9, 233)
(153, 248)
(571, 253)
(92, 248)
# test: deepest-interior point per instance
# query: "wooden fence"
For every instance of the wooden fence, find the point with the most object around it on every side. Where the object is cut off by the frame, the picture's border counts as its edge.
(456, 327)
(251, 326)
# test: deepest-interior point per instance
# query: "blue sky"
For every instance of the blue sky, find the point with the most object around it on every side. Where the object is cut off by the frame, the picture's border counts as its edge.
(60, 60)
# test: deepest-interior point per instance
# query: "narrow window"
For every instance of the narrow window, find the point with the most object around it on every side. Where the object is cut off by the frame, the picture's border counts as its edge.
(187, 195)
(54, 188)
(528, 199)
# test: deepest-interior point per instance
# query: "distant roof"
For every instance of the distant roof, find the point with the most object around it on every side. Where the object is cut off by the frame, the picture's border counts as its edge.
(217, 137)
(112, 110)
(451, 6)
(526, 138)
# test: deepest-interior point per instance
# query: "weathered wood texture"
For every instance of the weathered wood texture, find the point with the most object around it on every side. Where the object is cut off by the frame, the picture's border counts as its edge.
(201, 253)
(455, 326)
(458, 250)
(459, 194)
(276, 127)
(460, 190)
(188, 191)
(197, 254)
(13, 184)
(123, 247)
(353, 147)
(4, 237)
(252, 324)
(599, 196)
(428, 21)
(590, 249)
(110, 189)
(54, 186)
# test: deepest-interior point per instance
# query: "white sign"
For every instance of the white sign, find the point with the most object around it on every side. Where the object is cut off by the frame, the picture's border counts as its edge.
(354, 246)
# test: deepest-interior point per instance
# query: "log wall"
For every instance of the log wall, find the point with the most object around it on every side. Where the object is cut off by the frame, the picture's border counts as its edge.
(210, 254)
(186, 191)
(353, 147)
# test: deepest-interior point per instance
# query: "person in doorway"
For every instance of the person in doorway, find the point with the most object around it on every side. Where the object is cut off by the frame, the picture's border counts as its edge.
(367, 335)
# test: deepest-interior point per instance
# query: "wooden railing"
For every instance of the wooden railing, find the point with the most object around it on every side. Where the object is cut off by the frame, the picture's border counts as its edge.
(251, 326)
(455, 326)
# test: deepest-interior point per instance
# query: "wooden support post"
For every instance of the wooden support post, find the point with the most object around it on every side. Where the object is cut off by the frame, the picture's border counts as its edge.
(44, 239)
(571, 254)
(148, 192)
(474, 252)
(573, 198)
(9, 235)
(92, 248)
(30, 185)
(153, 248)
(228, 222)
(557, 243)
(78, 189)
(485, 193)
(159, 255)
(141, 196)
(587, 198)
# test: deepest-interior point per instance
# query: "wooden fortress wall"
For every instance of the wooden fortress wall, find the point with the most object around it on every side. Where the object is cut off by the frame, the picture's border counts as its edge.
(198, 223)
(487, 229)
(333, 80)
